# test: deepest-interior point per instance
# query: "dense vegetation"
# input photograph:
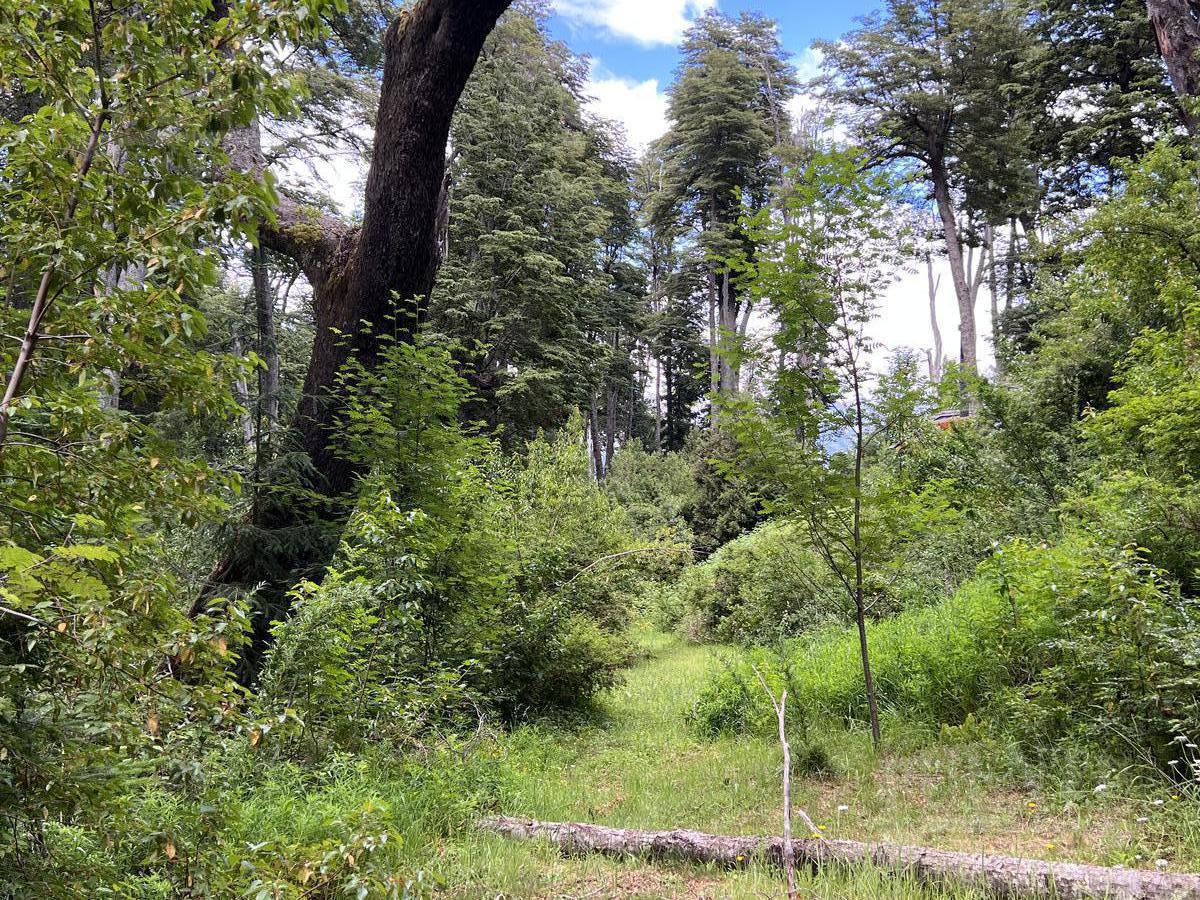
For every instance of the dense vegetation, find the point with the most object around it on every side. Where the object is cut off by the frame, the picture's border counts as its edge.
(308, 556)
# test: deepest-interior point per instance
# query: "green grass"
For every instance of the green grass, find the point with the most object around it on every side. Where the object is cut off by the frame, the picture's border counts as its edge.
(639, 764)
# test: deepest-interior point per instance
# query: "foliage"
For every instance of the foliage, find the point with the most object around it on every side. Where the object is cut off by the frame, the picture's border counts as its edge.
(110, 212)
(573, 593)
(757, 588)
(532, 276)
(725, 502)
(467, 580)
(1053, 645)
(358, 826)
(654, 489)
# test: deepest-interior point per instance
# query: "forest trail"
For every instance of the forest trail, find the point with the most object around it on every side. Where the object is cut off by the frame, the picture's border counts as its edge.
(640, 765)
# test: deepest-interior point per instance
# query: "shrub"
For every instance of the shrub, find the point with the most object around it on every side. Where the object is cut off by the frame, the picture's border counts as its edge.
(654, 489)
(1051, 644)
(724, 504)
(759, 587)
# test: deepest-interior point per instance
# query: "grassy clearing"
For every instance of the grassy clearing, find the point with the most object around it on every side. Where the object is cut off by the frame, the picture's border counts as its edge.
(638, 764)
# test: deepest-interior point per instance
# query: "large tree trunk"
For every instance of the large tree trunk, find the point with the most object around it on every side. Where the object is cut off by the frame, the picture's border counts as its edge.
(368, 282)
(1177, 28)
(1001, 876)
(958, 271)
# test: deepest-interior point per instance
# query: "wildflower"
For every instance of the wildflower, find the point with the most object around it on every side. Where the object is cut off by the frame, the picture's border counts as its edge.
(1157, 803)
(1031, 805)
(1100, 789)
(741, 858)
(843, 808)
(1161, 863)
(1050, 846)
(1141, 820)
(1174, 796)
(820, 827)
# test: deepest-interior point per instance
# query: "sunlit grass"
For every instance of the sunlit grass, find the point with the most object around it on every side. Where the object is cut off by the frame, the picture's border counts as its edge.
(638, 763)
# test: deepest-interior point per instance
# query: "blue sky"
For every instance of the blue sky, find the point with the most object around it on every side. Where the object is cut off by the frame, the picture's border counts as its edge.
(605, 29)
(632, 45)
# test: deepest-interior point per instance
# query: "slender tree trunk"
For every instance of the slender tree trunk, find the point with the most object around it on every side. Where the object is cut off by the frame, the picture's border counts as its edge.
(670, 411)
(1010, 268)
(43, 298)
(610, 437)
(729, 374)
(935, 361)
(860, 606)
(241, 393)
(1177, 29)
(958, 272)
(594, 441)
(268, 346)
(658, 403)
(994, 297)
(714, 371)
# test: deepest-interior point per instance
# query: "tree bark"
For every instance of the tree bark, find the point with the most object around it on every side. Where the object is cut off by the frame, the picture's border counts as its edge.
(1000, 876)
(369, 283)
(268, 346)
(958, 272)
(1177, 29)
(714, 370)
(593, 430)
(935, 360)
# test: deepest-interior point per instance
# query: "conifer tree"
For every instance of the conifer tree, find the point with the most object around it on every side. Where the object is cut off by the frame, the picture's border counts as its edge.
(532, 276)
(727, 111)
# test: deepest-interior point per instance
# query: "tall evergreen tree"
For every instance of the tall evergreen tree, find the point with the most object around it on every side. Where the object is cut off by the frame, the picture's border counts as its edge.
(539, 209)
(675, 316)
(920, 84)
(726, 109)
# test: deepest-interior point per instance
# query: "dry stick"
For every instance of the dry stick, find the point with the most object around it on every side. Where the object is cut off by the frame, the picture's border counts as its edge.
(1000, 876)
(789, 852)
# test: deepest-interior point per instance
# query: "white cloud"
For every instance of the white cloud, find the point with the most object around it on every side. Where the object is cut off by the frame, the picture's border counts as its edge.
(808, 63)
(808, 66)
(903, 319)
(638, 105)
(646, 21)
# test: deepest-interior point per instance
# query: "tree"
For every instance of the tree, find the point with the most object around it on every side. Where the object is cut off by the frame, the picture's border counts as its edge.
(1095, 92)
(674, 331)
(919, 83)
(109, 221)
(823, 272)
(534, 284)
(727, 112)
(368, 281)
(1178, 31)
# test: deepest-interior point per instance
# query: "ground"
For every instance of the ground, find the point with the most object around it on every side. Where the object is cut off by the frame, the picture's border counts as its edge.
(640, 764)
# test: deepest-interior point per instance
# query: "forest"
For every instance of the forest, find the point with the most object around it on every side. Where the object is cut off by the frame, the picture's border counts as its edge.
(559, 488)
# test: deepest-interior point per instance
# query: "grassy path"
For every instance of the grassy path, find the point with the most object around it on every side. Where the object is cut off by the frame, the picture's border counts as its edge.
(641, 766)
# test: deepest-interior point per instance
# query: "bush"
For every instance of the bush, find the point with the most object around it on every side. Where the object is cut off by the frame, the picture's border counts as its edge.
(654, 489)
(467, 578)
(1049, 644)
(362, 825)
(757, 588)
(724, 504)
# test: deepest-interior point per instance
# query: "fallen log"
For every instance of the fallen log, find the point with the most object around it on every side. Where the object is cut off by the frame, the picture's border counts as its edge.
(1001, 876)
